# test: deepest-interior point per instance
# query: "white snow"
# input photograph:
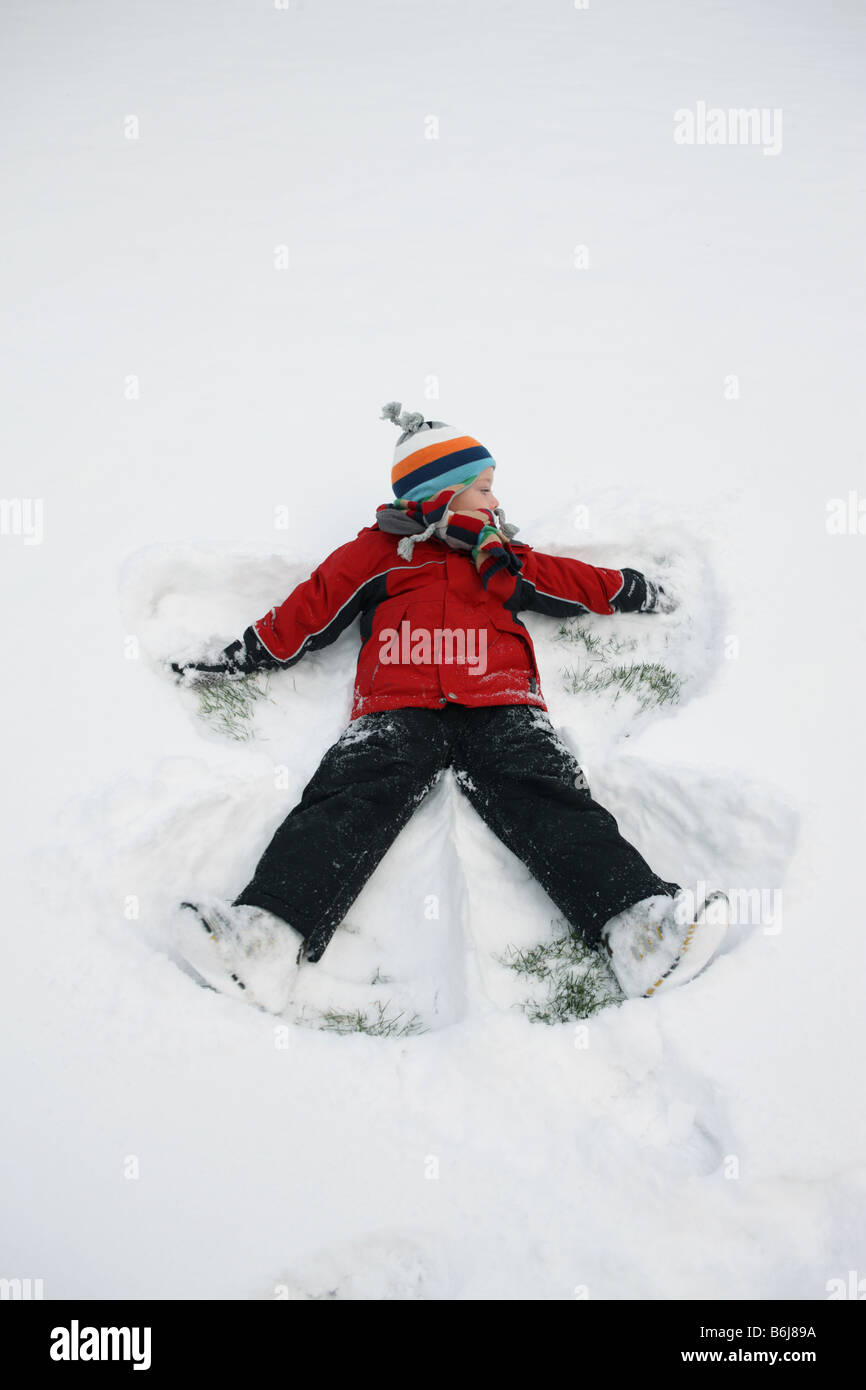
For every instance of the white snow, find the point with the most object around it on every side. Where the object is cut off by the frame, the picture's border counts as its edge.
(168, 1142)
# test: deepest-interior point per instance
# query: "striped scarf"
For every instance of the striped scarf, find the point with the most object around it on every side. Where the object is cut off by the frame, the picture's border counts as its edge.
(485, 534)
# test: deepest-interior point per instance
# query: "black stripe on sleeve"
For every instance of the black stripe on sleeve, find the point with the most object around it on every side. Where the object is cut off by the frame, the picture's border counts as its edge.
(526, 596)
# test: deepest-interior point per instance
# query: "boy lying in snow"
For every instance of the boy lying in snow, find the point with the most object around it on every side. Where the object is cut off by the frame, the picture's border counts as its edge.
(446, 677)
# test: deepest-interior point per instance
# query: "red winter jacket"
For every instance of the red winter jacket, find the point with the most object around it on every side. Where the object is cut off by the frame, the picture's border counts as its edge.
(430, 632)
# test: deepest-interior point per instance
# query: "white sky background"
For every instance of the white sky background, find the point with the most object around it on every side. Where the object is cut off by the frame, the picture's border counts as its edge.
(448, 258)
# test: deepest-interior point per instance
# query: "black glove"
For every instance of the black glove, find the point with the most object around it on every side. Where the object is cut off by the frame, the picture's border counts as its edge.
(233, 661)
(242, 658)
(641, 595)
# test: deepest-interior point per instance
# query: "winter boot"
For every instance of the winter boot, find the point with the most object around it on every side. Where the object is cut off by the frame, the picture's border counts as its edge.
(658, 943)
(243, 951)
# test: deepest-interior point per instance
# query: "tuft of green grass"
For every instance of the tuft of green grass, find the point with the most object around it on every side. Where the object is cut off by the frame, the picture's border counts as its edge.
(578, 982)
(357, 1021)
(228, 706)
(650, 682)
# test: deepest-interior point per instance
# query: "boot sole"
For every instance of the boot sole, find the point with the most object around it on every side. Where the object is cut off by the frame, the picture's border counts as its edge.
(218, 977)
(209, 963)
(702, 941)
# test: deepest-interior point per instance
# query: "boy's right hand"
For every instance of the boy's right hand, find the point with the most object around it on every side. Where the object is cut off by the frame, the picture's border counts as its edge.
(232, 662)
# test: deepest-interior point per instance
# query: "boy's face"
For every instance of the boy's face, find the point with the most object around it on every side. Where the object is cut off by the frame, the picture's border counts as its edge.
(477, 495)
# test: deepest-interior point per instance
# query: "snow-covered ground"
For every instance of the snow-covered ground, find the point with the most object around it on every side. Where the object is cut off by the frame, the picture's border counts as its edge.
(201, 324)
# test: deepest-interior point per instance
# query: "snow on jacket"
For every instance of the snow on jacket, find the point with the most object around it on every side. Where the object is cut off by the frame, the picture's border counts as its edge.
(430, 631)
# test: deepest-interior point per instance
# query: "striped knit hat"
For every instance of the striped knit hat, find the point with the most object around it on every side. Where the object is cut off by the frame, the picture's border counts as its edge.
(431, 455)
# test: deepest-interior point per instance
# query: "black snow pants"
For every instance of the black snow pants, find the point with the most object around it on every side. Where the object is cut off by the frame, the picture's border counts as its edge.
(518, 775)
